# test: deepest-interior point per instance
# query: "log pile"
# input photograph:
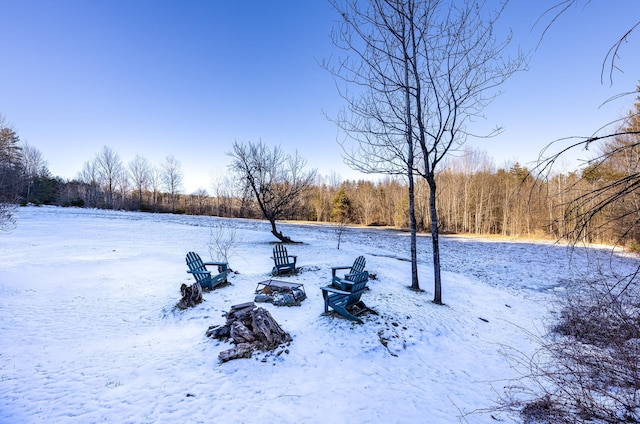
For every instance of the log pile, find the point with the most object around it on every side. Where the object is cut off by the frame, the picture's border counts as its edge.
(251, 329)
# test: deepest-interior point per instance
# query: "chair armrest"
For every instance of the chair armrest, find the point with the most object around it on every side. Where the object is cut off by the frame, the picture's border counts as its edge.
(216, 263)
(334, 290)
(222, 266)
(344, 285)
(333, 268)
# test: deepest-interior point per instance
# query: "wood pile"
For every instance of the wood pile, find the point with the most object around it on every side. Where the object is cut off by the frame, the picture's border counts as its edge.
(251, 329)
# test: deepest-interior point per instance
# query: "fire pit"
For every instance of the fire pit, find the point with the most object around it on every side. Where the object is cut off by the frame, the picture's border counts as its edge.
(280, 293)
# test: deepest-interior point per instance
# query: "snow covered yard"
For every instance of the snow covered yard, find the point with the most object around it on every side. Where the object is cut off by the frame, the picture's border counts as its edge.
(90, 333)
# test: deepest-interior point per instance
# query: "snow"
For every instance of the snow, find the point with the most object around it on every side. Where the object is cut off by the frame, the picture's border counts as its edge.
(90, 333)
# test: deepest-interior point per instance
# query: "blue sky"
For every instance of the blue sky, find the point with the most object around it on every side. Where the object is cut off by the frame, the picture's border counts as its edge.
(159, 78)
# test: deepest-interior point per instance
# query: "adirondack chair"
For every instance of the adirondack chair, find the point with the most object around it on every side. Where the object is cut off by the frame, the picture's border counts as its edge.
(345, 281)
(341, 300)
(202, 275)
(284, 263)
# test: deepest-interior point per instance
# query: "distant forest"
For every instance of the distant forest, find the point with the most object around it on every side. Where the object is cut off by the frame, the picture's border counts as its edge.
(474, 196)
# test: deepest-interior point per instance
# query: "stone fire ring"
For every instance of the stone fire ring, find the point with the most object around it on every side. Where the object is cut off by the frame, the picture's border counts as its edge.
(280, 293)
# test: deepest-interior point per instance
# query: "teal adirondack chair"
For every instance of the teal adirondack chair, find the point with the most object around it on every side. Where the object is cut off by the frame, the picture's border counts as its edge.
(206, 278)
(343, 300)
(284, 263)
(345, 281)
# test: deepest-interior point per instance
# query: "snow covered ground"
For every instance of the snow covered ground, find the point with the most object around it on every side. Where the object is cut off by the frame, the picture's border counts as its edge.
(89, 332)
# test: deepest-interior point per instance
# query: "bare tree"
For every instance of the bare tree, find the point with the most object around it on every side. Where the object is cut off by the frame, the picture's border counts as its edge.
(457, 64)
(201, 199)
(320, 199)
(379, 118)
(222, 187)
(604, 132)
(155, 182)
(109, 167)
(609, 64)
(423, 69)
(588, 372)
(89, 176)
(140, 171)
(277, 180)
(172, 178)
(33, 167)
(124, 187)
(620, 138)
(366, 202)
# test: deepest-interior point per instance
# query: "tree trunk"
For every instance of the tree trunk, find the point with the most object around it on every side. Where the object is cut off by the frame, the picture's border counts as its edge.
(191, 296)
(279, 234)
(415, 285)
(437, 290)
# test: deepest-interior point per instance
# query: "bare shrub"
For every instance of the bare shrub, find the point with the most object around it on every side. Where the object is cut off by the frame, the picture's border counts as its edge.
(587, 368)
(222, 242)
(340, 229)
(541, 410)
(7, 219)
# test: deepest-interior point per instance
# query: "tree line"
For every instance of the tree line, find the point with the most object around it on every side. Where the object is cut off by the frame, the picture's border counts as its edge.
(474, 196)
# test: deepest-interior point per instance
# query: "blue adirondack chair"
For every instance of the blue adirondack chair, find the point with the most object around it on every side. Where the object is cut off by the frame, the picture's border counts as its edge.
(284, 263)
(343, 300)
(202, 275)
(345, 281)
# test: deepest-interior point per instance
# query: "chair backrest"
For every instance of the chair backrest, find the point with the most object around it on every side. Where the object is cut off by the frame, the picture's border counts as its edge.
(280, 255)
(358, 264)
(194, 262)
(357, 267)
(358, 287)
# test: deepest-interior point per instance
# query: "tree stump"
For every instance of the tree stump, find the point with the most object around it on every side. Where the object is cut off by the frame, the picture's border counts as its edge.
(251, 329)
(191, 295)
